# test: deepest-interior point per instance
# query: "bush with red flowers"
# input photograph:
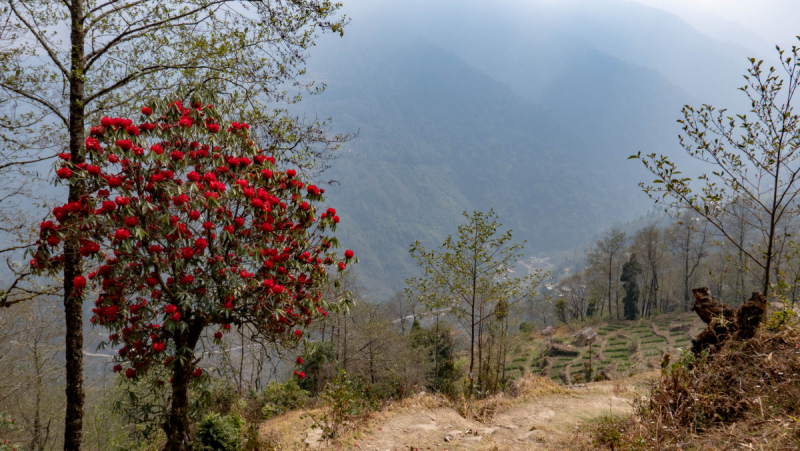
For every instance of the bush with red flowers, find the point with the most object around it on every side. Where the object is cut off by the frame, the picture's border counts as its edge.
(7, 423)
(201, 230)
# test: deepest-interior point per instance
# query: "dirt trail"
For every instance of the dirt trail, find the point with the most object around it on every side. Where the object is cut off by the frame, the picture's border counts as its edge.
(548, 420)
(545, 422)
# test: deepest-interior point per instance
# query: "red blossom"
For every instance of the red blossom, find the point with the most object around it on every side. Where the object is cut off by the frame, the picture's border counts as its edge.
(79, 282)
(125, 144)
(93, 144)
(121, 234)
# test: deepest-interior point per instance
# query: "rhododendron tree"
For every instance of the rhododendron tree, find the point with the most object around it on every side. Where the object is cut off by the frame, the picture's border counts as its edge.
(192, 227)
(108, 55)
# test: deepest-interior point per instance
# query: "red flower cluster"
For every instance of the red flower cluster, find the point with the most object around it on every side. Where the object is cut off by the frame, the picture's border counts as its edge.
(197, 232)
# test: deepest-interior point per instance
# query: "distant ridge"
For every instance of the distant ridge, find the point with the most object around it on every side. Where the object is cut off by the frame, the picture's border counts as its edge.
(439, 136)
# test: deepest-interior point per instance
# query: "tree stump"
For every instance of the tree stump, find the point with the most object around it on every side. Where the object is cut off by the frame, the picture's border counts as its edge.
(725, 322)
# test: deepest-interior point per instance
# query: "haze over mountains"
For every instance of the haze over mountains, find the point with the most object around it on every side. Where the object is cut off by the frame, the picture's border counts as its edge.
(528, 110)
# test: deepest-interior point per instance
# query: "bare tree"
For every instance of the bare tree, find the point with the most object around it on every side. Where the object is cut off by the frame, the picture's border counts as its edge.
(30, 346)
(752, 159)
(576, 295)
(688, 239)
(607, 253)
(648, 243)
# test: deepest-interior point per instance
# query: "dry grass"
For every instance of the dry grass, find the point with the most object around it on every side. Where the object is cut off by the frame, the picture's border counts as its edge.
(518, 391)
(420, 400)
(747, 394)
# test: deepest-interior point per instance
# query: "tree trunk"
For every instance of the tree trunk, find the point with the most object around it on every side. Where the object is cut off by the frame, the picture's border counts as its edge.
(610, 262)
(177, 426)
(437, 347)
(768, 263)
(344, 345)
(686, 301)
(36, 442)
(472, 318)
(504, 353)
(480, 356)
(371, 367)
(73, 305)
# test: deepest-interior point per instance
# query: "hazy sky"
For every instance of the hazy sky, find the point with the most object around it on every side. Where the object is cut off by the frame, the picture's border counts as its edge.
(757, 24)
(773, 21)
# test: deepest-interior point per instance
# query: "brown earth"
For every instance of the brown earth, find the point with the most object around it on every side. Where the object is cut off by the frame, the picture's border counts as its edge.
(541, 421)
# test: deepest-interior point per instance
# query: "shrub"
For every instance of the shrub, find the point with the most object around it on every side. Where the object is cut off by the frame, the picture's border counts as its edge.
(633, 345)
(279, 398)
(525, 328)
(437, 346)
(349, 405)
(216, 432)
(319, 366)
(7, 423)
(607, 433)
(385, 388)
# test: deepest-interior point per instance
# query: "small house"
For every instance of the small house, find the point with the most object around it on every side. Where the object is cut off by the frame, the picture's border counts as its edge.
(585, 337)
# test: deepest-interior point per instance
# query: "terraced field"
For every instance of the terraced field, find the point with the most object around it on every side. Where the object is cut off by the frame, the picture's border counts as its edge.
(621, 349)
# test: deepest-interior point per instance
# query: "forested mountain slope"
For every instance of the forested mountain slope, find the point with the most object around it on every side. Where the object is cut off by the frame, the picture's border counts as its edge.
(439, 134)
